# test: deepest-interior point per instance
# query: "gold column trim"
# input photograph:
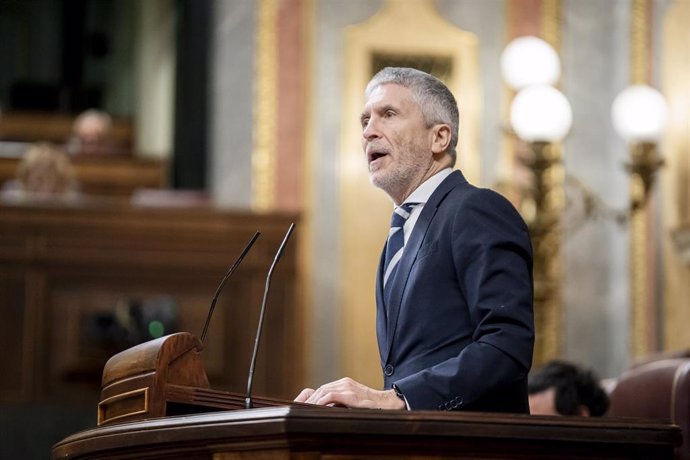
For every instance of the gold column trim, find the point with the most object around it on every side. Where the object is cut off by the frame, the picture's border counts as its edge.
(675, 199)
(547, 231)
(639, 48)
(265, 103)
(307, 236)
(638, 279)
(551, 23)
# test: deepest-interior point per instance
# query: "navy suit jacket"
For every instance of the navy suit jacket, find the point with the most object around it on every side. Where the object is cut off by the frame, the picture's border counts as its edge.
(459, 330)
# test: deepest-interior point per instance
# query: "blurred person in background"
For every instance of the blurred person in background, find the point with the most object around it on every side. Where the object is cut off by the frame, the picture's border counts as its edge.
(563, 388)
(44, 171)
(91, 134)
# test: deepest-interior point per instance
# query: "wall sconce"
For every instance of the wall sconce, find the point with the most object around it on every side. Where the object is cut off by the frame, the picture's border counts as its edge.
(541, 116)
(639, 117)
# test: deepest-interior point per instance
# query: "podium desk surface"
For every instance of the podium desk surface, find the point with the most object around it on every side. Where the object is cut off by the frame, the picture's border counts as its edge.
(301, 432)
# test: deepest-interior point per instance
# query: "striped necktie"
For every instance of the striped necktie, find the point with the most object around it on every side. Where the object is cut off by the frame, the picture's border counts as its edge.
(396, 241)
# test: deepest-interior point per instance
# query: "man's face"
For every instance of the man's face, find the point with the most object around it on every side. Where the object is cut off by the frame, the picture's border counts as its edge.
(543, 403)
(396, 141)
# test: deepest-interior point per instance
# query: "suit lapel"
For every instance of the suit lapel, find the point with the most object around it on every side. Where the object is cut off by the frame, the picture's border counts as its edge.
(402, 273)
(381, 335)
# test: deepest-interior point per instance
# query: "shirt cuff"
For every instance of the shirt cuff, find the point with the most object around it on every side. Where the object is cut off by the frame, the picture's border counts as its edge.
(400, 395)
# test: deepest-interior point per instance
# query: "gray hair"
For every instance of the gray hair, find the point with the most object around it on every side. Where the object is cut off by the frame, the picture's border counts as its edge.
(433, 96)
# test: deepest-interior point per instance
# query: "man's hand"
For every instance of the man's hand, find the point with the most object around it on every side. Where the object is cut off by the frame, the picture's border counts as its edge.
(349, 393)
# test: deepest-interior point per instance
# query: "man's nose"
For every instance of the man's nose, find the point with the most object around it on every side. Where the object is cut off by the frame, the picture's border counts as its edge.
(371, 131)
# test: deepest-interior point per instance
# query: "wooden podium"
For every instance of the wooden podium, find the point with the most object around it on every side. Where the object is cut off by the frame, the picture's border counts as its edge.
(295, 432)
(146, 388)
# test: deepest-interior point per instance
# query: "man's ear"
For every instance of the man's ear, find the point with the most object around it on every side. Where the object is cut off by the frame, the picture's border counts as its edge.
(441, 139)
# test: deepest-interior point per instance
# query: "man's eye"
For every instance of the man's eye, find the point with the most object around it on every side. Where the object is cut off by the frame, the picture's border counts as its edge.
(389, 113)
(365, 122)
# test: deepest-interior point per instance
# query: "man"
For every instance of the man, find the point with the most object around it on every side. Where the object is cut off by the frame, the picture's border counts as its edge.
(454, 307)
(561, 388)
(91, 134)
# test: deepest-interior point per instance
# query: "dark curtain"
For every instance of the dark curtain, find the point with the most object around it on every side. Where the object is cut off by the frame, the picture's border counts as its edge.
(190, 145)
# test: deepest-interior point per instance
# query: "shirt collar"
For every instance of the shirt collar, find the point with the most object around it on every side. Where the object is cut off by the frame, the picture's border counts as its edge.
(424, 191)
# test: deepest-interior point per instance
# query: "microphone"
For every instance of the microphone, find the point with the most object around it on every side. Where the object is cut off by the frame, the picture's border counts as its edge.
(224, 280)
(262, 314)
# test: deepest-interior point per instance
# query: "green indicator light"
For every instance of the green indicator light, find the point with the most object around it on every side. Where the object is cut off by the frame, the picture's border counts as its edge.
(156, 329)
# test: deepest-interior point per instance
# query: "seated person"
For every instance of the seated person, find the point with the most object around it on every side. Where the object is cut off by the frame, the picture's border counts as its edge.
(91, 134)
(43, 171)
(562, 388)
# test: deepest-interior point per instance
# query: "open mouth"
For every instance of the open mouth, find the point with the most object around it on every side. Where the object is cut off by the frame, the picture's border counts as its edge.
(374, 155)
